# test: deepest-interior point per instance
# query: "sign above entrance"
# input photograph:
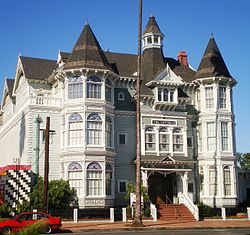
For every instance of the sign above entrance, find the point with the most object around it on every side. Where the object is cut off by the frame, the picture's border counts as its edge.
(164, 122)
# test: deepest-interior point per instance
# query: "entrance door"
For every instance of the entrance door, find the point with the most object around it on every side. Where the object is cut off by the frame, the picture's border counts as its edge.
(160, 188)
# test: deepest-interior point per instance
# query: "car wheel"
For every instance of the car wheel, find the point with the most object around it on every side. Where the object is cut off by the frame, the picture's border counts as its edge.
(47, 229)
(6, 230)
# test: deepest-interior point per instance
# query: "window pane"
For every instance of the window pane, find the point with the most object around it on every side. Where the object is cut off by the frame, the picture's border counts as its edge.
(209, 97)
(222, 97)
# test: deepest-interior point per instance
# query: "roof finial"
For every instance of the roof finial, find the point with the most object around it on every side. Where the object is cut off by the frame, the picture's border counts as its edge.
(86, 21)
(151, 15)
(212, 35)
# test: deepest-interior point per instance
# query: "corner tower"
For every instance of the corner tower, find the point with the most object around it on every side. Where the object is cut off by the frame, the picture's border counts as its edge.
(152, 56)
(216, 138)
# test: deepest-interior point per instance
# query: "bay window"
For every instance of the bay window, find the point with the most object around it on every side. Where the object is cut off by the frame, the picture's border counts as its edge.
(211, 136)
(94, 129)
(94, 179)
(75, 177)
(75, 86)
(227, 181)
(209, 96)
(108, 131)
(75, 129)
(94, 85)
(224, 136)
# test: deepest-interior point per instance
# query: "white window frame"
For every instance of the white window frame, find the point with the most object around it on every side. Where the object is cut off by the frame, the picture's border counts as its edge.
(213, 185)
(209, 97)
(75, 177)
(211, 136)
(165, 95)
(108, 131)
(94, 87)
(222, 97)
(75, 130)
(94, 129)
(96, 181)
(178, 140)
(224, 136)
(163, 131)
(227, 181)
(75, 88)
(150, 139)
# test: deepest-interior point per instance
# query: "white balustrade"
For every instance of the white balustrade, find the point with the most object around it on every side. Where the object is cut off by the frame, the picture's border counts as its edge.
(184, 199)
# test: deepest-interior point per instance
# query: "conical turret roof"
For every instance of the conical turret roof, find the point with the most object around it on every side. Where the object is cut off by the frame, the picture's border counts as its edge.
(87, 52)
(152, 27)
(212, 63)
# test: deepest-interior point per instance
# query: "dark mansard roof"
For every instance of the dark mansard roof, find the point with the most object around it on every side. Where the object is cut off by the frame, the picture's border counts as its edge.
(212, 63)
(87, 52)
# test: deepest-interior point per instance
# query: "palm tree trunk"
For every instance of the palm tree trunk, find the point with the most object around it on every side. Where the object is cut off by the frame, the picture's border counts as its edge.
(137, 222)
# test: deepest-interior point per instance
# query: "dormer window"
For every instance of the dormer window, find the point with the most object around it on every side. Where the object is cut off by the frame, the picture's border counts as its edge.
(165, 95)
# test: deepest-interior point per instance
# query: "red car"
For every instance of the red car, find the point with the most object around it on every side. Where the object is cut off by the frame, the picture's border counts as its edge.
(25, 219)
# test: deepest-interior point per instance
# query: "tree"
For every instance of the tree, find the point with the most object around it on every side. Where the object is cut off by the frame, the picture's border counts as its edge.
(131, 188)
(59, 191)
(243, 160)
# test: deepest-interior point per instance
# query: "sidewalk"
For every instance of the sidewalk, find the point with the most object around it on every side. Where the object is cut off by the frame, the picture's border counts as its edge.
(91, 226)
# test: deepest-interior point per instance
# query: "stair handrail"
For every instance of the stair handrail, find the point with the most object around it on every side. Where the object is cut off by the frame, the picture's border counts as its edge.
(167, 197)
(191, 206)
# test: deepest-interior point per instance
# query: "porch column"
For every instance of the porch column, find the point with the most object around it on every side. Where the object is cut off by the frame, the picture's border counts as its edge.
(185, 183)
(144, 176)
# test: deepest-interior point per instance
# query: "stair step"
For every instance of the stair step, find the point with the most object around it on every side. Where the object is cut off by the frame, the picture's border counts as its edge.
(175, 212)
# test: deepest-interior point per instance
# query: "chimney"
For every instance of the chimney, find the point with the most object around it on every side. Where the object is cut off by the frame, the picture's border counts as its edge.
(182, 58)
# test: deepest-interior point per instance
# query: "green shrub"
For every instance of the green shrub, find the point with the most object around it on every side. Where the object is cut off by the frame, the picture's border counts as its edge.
(5, 211)
(207, 211)
(34, 229)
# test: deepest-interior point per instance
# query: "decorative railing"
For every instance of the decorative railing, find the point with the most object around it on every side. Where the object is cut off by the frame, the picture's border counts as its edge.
(184, 199)
(45, 101)
(153, 211)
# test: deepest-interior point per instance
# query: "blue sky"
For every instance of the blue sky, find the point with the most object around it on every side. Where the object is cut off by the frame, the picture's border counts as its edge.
(41, 28)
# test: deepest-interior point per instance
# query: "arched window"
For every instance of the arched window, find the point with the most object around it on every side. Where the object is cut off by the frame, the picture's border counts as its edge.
(108, 131)
(75, 129)
(94, 85)
(108, 179)
(201, 181)
(94, 179)
(149, 139)
(177, 140)
(108, 90)
(213, 181)
(164, 140)
(75, 177)
(75, 87)
(94, 129)
(227, 181)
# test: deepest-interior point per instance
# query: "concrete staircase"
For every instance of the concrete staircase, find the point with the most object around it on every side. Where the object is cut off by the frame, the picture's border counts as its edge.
(173, 212)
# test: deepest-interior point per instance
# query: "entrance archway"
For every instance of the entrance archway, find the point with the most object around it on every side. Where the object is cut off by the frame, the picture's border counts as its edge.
(161, 188)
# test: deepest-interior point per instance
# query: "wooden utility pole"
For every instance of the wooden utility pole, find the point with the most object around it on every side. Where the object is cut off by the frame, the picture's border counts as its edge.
(137, 222)
(46, 166)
